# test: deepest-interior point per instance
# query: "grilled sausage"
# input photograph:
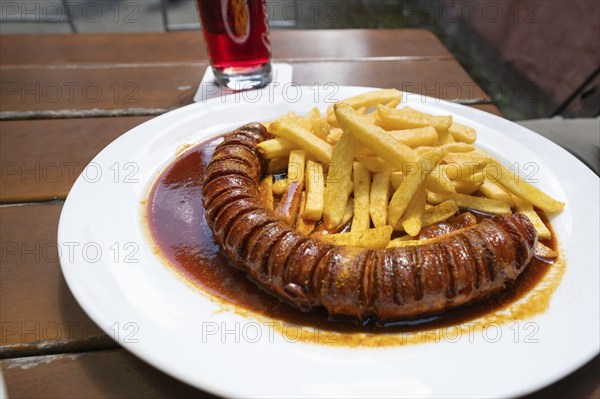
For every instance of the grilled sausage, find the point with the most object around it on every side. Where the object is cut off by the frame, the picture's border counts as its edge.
(396, 283)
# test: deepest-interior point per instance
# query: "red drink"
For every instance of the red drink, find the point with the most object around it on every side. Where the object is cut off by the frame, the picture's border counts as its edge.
(236, 33)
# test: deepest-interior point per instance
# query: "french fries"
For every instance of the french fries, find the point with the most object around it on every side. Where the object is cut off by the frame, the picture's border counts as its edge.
(304, 139)
(303, 225)
(366, 163)
(339, 182)
(280, 186)
(444, 137)
(463, 133)
(439, 213)
(412, 220)
(315, 188)
(372, 98)
(466, 186)
(485, 205)
(362, 186)
(313, 115)
(461, 171)
(288, 206)
(542, 251)
(275, 148)
(321, 128)
(424, 136)
(396, 178)
(410, 185)
(379, 198)
(265, 191)
(408, 118)
(526, 208)
(376, 238)
(517, 186)
(470, 184)
(385, 146)
(375, 164)
(348, 213)
(437, 182)
(495, 191)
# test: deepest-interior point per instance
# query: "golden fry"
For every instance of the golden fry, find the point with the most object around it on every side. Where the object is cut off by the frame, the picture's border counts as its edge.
(445, 138)
(362, 151)
(463, 133)
(412, 220)
(498, 173)
(439, 213)
(334, 135)
(265, 191)
(321, 229)
(394, 103)
(302, 225)
(339, 181)
(375, 164)
(462, 171)
(526, 209)
(474, 154)
(304, 139)
(296, 165)
(437, 182)
(331, 117)
(396, 178)
(495, 191)
(292, 118)
(315, 188)
(394, 152)
(275, 148)
(411, 184)
(424, 136)
(408, 118)
(312, 115)
(456, 147)
(542, 251)
(376, 238)
(480, 204)
(447, 148)
(320, 128)
(373, 98)
(280, 186)
(362, 186)
(467, 186)
(288, 205)
(379, 198)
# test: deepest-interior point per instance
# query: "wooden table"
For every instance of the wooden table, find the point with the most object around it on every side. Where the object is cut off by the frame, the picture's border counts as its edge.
(65, 97)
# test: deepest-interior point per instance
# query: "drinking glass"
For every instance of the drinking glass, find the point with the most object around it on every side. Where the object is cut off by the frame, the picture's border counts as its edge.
(236, 34)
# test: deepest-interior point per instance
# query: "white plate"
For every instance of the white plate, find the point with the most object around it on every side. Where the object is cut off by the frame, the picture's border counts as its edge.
(156, 315)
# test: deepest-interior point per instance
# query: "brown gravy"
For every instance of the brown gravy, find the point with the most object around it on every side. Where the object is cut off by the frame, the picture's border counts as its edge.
(175, 217)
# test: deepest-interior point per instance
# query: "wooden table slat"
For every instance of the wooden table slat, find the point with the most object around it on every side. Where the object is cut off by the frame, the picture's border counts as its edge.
(41, 159)
(167, 87)
(116, 373)
(38, 313)
(181, 47)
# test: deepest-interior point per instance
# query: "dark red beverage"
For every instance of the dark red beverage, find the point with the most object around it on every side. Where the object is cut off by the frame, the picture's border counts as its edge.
(236, 33)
